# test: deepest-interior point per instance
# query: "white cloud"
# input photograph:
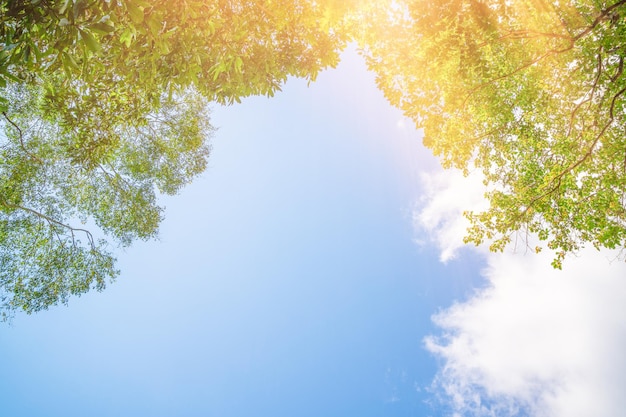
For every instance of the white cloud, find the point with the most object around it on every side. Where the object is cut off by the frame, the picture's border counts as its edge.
(537, 341)
(446, 195)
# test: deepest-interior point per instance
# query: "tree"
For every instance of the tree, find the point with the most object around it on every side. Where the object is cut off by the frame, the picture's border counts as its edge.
(529, 92)
(228, 49)
(103, 105)
(54, 176)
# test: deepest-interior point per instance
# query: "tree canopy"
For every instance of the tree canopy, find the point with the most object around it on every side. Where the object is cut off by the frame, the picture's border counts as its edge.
(103, 105)
(529, 92)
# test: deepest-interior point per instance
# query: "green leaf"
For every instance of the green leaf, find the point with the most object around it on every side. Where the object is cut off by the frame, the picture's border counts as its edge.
(135, 12)
(63, 7)
(238, 64)
(79, 8)
(68, 61)
(91, 42)
(101, 28)
(127, 37)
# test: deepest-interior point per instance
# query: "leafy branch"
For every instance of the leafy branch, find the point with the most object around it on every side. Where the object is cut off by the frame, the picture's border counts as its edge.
(51, 221)
(599, 19)
(21, 137)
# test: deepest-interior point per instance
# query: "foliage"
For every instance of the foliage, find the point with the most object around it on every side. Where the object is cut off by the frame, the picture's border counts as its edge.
(103, 105)
(530, 92)
(228, 49)
(104, 171)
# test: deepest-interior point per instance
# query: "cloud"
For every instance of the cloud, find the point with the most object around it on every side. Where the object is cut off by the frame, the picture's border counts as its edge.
(536, 341)
(446, 194)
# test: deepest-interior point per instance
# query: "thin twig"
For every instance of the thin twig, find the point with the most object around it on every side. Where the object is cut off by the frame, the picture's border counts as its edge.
(592, 93)
(21, 138)
(599, 19)
(53, 221)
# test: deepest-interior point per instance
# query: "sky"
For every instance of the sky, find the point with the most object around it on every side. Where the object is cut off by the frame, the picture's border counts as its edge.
(317, 269)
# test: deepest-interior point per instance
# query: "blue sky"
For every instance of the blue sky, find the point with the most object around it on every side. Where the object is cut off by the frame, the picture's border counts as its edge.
(298, 277)
(286, 280)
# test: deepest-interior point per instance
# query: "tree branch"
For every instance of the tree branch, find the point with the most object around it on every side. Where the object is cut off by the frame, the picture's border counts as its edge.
(619, 71)
(527, 34)
(599, 19)
(50, 220)
(570, 168)
(523, 67)
(21, 138)
(592, 93)
(572, 40)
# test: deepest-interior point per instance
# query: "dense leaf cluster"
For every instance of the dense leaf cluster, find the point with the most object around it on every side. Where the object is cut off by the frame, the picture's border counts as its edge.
(530, 92)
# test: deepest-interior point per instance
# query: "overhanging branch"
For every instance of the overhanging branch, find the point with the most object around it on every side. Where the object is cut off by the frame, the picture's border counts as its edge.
(19, 131)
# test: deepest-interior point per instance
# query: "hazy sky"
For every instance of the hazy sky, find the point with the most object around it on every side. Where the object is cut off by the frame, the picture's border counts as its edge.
(299, 276)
